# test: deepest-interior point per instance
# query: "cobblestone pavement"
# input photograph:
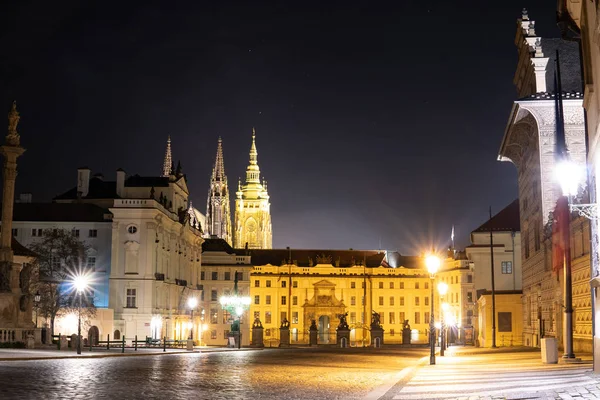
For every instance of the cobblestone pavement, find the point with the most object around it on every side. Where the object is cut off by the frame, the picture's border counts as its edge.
(307, 373)
(473, 374)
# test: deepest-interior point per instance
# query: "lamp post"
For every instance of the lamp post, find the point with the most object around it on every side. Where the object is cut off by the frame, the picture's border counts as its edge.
(81, 284)
(236, 304)
(202, 326)
(36, 301)
(192, 303)
(442, 290)
(433, 264)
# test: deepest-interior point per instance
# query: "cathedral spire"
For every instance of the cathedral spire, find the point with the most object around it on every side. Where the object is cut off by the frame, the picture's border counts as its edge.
(168, 163)
(219, 168)
(218, 217)
(253, 152)
(253, 171)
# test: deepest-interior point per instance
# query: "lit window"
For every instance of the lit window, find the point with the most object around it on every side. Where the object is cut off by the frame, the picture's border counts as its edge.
(283, 300)
(352, 285)
(391, 285)
(227, 276)
(257, 299)
(268, 283)
(91, 263)
(294, 300)
(283, 283)
(267, 317)
(295, 284)
(507, 267)
(268, 300)
(295, 317)
(256, 283)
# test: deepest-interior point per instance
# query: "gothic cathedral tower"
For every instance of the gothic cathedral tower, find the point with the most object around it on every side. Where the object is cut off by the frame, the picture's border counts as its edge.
(252, 208)
(218, 216)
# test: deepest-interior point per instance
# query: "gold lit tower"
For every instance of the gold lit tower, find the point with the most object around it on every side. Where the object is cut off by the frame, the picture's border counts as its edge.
(252, 208)
(168, 163)
(218, 214)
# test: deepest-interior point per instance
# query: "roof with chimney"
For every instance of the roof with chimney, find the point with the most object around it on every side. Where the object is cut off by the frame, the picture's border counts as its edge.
(60, 212)
(101, 189)
(507, 220)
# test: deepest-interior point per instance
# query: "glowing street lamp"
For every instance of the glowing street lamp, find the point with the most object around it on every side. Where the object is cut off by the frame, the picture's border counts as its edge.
(432, 262)
(192, 303)
(442, 290)
(81, 283)
(236, 305)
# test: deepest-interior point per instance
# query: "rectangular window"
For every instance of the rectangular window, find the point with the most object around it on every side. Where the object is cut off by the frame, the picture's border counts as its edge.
(391, 300)
(214, 316)
(74, 232)
(240, 276)
(417, 302)
(294, 317)
(257, 283)
(214, 276)
(469, 278)
(131, 298)
(283, 316)
(470, 297)
(352, 317)
(401, 301)
(227, 276)
(201, 275)
(416, 285)
(283, 284)
(226, 334)
(380, 300)
(392, 319)
(226, 317)
(294, 300)
(256, 299)
(295, 284)
(268, 300)
(362, 285)
(362, 300)
(417, 317)
(507, 267)
(391, 285)
(268, 317)
(353, 300)
(401, 285)
(268, 283)
(214, 295)
(256, 314)
(401, 317)
(426, 285)
(380, 285)
(283, 300)
(91, 263)
(93, 233)
(352, 285)
(381, 317)
(213, 334)
(427, 315)
(426, 300)
(504, 322)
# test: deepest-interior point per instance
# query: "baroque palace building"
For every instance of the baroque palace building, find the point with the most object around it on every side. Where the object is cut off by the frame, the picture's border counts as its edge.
(320, 285)
(252, 208)
(529, 143)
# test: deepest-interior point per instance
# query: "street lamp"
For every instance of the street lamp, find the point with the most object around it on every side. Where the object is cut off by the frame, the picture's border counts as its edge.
(192, 303)
(36, 300)
(203, 327)
(236, 304)
(442, 290)
(81, 283)
(433, 264)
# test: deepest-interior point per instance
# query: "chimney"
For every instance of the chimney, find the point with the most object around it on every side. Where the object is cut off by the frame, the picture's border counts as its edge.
(25, 198)
(120, 182)
(83, 181)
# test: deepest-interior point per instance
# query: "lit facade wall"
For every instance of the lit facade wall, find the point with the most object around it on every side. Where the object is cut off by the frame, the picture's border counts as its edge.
(509, 321)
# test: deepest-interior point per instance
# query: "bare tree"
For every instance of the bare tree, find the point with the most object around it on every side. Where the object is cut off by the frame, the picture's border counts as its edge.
(61, 256)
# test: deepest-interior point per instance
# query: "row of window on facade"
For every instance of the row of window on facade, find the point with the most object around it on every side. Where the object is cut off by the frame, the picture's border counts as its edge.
(214, 276)
(38, 232)
(391, 285)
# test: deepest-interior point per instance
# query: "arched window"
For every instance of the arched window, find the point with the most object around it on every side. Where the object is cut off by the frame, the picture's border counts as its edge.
(117, 335)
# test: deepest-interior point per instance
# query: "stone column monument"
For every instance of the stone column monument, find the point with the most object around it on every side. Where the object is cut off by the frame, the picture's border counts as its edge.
(13, 306)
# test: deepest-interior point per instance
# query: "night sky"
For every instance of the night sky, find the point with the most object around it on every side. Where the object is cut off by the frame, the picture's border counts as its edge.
(376, 124)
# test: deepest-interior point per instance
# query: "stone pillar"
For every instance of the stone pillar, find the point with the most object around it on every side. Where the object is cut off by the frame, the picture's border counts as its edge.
(257, 334)
(376, 336)
(313, 333)
(284, 337)
(343, 337)
(406, 336)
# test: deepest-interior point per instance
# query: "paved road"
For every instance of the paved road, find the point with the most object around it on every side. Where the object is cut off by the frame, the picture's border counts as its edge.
(489, 375)
(268, 374)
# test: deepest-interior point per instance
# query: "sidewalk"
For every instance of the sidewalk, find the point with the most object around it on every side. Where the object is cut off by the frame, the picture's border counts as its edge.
(469, 373)
(49, 354)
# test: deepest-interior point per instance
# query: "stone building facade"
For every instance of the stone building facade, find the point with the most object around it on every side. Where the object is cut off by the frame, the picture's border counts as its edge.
(529, 143)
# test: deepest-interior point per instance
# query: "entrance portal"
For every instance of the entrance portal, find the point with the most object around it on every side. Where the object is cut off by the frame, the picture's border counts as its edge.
(93, 336)
(324, 329)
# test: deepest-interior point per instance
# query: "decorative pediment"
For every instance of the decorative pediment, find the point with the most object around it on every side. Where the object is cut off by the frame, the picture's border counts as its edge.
(323, 259)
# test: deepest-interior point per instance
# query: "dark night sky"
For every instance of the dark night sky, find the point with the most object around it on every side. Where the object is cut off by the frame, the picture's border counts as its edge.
(373, 122)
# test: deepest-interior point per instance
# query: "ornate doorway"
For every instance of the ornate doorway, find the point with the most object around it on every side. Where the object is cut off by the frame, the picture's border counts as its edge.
(324, 329)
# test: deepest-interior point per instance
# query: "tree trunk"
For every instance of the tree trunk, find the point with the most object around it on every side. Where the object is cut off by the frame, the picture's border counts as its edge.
(52, 317)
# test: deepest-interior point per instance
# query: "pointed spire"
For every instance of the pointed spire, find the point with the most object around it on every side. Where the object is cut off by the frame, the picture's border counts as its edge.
(168, 163)
(13, 138)
(179, 170)
(253, 171)
(219, 167)
(253, 152)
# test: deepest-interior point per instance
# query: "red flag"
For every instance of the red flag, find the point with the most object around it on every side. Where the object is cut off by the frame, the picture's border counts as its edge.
(561, 218)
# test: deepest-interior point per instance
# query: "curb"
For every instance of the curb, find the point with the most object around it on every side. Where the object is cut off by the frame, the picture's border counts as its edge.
(79, 357)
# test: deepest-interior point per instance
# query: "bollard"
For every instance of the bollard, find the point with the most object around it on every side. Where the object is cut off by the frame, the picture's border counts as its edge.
(123, 347)
(108, 342)
(90, 345)
(135, 346)
(165, 344)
